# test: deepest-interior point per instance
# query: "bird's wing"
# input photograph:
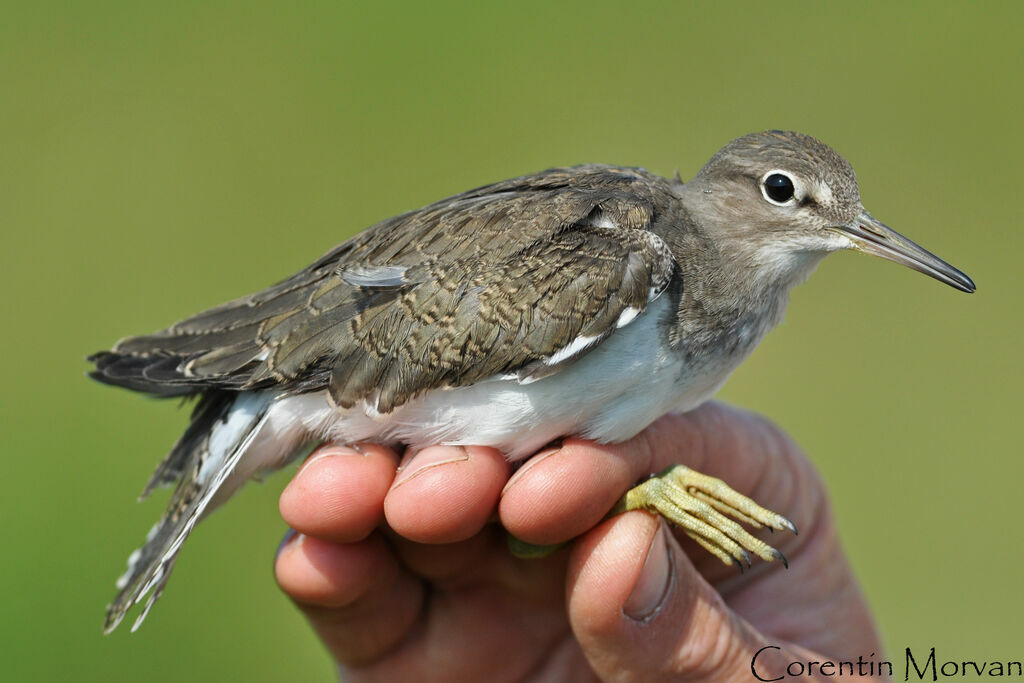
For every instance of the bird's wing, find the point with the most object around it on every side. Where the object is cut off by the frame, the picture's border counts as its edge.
(517, 278)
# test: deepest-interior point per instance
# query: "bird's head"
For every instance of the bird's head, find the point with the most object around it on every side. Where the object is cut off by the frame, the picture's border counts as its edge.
(790, 199)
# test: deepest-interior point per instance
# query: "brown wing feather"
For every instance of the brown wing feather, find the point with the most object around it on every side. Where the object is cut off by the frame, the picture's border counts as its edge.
(492, 281)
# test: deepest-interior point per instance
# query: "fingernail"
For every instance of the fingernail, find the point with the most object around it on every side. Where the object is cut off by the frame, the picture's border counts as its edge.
(652, 585)
(528, 465)
(330, 452)
(429, 458)
(292, 536)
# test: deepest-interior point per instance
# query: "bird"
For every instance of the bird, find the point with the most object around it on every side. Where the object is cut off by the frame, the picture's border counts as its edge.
(586, 300)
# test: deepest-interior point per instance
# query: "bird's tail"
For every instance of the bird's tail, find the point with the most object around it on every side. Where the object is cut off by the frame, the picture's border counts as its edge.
(205, 464)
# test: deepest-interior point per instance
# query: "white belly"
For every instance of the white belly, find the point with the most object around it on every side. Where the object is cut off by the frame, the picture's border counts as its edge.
(609, 395)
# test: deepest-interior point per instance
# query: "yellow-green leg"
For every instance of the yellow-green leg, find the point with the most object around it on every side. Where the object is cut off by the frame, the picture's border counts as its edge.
(702, 507)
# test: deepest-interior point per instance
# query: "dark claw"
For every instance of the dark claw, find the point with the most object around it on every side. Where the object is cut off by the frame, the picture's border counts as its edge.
(780, 556)
(791, 526)
(746, 557)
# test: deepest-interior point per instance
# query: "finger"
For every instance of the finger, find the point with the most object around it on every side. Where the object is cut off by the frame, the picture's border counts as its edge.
(338, 494)
(356, 596)
(640, 610)
(488, 611)
(562, 492)
(317, 572)
(444, 494)
(484, 561)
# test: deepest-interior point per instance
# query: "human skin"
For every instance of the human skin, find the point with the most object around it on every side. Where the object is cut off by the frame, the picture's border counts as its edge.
(405, 576)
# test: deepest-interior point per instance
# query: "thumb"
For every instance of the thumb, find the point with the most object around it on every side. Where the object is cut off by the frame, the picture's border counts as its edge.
(641, 611)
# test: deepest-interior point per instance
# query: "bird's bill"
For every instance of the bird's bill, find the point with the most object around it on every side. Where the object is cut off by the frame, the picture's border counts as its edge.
(874, 237)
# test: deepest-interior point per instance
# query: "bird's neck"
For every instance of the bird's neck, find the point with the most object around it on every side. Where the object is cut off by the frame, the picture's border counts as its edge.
(733, 290)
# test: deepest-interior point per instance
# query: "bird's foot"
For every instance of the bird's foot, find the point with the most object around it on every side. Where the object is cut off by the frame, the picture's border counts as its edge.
(702, 506)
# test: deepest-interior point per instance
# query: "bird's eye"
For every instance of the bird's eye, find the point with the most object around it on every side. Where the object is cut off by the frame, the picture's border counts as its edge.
(778, 188)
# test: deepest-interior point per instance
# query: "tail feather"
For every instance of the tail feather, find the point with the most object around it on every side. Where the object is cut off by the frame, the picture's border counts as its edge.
(225, 427)
(211, 409)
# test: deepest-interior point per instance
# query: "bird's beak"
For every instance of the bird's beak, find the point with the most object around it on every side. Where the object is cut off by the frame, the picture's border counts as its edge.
(874, 237)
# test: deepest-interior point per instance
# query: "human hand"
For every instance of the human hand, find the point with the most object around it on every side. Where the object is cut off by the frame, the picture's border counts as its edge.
(405, 578)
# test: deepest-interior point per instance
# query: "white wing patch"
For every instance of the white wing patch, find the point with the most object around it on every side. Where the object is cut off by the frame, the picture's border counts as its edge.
(583, 343)
(626, 317)
(576, 346)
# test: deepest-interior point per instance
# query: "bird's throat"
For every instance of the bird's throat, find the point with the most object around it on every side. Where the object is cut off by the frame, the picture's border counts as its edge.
(737, 293)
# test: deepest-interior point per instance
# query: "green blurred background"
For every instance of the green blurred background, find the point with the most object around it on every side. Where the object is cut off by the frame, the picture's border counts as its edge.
(159, 158)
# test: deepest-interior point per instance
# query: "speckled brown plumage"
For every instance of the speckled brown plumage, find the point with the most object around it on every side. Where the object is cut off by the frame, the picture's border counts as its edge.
(488, 282)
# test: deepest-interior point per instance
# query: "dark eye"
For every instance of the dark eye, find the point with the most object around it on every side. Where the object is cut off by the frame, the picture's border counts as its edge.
(778, 188)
